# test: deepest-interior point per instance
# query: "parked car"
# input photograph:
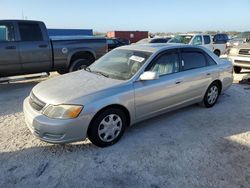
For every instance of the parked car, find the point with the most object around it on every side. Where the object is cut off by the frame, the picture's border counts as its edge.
(26, 48)
(115, 42)
(127, 85)
(241, 38)
(201, 40)
(154, 40)
(240, 57)
(220, 38)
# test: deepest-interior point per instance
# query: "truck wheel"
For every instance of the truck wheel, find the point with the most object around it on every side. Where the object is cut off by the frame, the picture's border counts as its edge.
(237, 69)
(62, 71)
(79, 64)
(217, 52)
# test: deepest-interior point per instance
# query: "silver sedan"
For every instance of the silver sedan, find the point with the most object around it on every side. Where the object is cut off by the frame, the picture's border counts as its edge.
(127, 85)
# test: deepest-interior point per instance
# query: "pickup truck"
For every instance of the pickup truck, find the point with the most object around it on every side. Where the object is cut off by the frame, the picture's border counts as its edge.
(25, 48)
(201, 40)
(240, 57)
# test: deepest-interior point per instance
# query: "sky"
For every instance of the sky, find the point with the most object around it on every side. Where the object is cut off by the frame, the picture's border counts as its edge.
(153, 16)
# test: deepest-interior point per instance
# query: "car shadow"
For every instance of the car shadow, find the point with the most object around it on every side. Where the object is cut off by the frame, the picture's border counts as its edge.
(176, 146)
(13, 94)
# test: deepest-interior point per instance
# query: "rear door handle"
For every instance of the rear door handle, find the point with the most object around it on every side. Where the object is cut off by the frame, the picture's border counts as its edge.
(208, 74)
(10, 47)
(43, 46)
(178, 82)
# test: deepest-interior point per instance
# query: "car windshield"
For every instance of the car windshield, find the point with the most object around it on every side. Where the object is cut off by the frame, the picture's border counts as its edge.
(185, 39)
(120, 64)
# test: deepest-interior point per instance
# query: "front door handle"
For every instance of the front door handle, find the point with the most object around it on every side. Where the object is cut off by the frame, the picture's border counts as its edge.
(43, 46)
(10, 47)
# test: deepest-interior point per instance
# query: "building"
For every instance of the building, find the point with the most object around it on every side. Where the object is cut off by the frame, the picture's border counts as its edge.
(132, 36)
(70, 32)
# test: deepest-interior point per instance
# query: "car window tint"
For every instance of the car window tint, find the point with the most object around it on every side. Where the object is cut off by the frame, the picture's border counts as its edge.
(193, 60)
(207, 39)
(197, 40)
(110, 41)
(158, 41)
(27, 28)
(6, 32)
(166, 64)
(210, 60)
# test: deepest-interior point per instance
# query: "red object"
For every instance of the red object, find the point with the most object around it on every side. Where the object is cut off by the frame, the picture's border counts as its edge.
(132, 36)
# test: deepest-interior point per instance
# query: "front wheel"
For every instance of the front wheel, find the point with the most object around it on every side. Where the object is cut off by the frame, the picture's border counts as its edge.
(212, 95)
(107, 128)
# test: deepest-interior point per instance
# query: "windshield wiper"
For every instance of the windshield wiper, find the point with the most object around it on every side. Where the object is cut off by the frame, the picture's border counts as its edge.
(101, 73)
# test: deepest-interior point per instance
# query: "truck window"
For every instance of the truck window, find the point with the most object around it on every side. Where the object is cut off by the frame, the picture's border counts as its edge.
(30, 32)
(193, 60)
(207, 39)
(6, 32)
(197, 40)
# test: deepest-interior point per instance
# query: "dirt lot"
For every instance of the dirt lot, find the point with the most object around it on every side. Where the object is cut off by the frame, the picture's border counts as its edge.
(191, 147)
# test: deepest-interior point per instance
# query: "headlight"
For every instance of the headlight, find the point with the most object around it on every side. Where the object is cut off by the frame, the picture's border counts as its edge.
(233, 51)
(62, 111)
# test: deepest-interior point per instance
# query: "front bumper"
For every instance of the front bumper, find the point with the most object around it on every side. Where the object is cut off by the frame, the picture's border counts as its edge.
(55, 130)
(240, 61)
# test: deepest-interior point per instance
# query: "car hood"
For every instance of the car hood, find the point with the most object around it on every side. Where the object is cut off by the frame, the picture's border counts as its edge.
(68, 87)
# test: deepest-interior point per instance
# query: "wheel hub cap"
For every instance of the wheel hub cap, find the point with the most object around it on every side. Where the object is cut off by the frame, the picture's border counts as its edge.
(110, 127)
(212, 95)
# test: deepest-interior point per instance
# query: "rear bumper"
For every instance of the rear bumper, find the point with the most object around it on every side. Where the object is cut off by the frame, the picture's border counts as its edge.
(240, 61)
(54, 130)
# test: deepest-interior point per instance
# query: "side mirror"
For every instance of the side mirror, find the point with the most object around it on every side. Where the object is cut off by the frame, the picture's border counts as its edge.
(149, 75)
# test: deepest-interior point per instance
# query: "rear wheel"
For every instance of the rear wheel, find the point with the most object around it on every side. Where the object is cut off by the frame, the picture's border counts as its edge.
(79, 64)
(107, 128)
(217, 52)
(212, 95)
(237, 69)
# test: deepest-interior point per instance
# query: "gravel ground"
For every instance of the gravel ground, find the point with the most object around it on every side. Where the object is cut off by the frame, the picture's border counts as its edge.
(191, 147)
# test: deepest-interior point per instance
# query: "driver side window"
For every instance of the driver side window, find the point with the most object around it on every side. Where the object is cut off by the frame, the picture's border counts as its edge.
(166, 64)
(197, 40)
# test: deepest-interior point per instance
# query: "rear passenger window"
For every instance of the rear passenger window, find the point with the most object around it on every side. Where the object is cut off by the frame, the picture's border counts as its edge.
(193, 60)
(207, 39)
(30, 32)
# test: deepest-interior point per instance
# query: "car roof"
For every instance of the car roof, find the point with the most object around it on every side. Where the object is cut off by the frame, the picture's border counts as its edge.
(154, 47)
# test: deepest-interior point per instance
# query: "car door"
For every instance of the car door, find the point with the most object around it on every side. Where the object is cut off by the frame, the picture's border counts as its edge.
(197, 73)
(9, 50)
(111, 44)
(208, 42)
(35, 49)
(155, 96)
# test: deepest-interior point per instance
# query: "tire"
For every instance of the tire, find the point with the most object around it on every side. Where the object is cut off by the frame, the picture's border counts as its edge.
(62, 71)
(79, 64)
(217, 52)
(102, 132)
(212, 95)
(237, 69)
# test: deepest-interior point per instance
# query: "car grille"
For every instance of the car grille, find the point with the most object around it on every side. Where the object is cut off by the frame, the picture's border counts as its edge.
(36, 103)
(242, 62)
(244, 52)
